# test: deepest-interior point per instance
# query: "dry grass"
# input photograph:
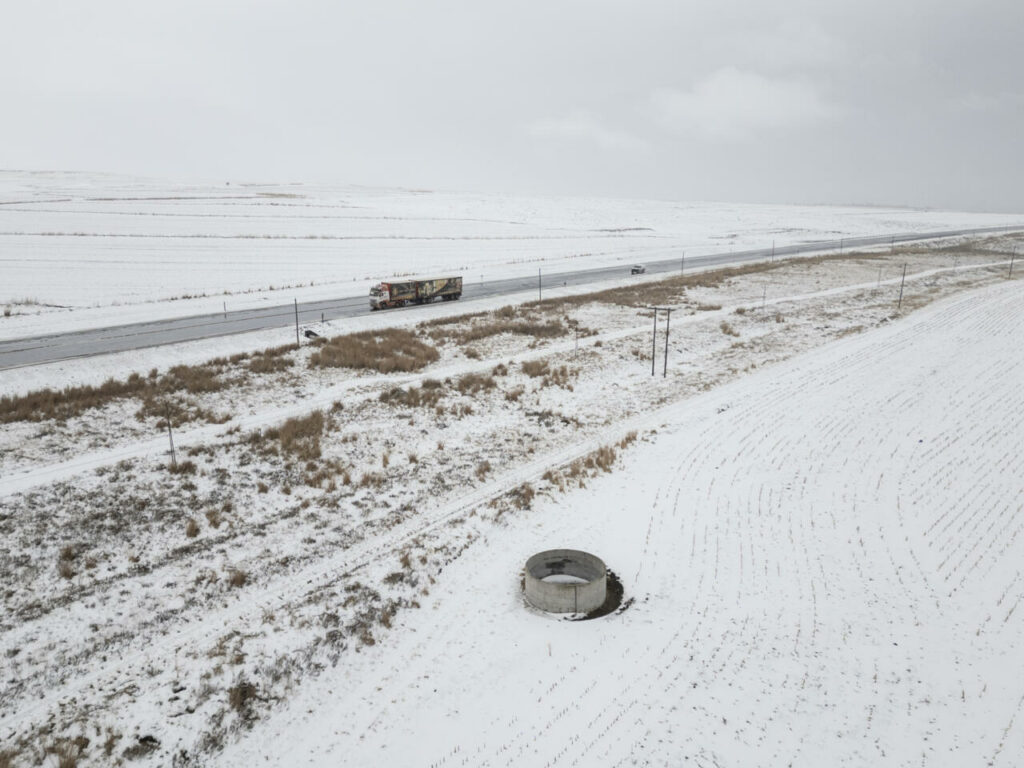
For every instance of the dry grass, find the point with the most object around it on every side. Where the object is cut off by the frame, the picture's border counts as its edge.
(483, 469)
(462, 409)
(474, 383)
(155, 391)
(513, 395)
(386, 351)
(522, 496)
(534, 368)
(187, 467)
(241, 697)
(372, 480)
(423, 396)
(728, 330)
(191, 528)
(65, 562)
(558, 377)
(520, 320)
(68, 752)
(237, 578)
(271, 360)
(603, 458)
(300, 436)
(213, 517)
(670, 290)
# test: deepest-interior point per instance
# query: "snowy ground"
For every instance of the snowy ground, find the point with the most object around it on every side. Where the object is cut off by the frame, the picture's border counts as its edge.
(88, 250)
(825, 563)
(814, 514)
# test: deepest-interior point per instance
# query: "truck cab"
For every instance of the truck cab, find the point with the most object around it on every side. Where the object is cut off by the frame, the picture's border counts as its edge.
(379, 296)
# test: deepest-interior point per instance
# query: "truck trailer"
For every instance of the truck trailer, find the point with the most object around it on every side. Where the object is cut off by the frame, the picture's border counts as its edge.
(402, 293)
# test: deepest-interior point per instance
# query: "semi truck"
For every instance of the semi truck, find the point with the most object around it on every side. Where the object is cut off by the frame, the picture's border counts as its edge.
(404, 292)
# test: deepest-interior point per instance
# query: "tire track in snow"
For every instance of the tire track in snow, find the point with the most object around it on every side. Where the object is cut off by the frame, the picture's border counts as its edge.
(706, 644)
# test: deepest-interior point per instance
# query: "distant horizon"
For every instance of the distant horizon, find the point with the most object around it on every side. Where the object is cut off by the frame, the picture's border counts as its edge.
(212, 181)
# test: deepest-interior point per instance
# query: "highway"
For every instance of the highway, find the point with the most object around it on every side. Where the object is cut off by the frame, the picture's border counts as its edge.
(52, 348)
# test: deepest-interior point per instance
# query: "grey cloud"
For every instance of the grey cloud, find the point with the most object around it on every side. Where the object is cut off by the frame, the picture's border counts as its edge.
(795, 101)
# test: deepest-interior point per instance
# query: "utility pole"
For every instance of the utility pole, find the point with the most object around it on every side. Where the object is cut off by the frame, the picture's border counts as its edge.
(225, 310)
(654, 336)
(1012, 257)
(902, 279)
(764, 296)
(296, 322)
(668, 320)
(773, 252)
(840, 246)
(682, 264)
(576, 349)
(170, 437)
(892, 245)
(538, 284)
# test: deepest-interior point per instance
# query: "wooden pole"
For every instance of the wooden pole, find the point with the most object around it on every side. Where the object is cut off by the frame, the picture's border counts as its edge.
(902, 279)
(170, 437)
(654, 337)
(296, 322)
(668, 320)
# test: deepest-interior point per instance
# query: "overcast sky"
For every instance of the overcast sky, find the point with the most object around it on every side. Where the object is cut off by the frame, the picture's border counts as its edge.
(909, 102)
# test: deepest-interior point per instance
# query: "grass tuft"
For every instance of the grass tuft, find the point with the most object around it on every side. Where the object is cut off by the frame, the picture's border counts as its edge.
(386, 351)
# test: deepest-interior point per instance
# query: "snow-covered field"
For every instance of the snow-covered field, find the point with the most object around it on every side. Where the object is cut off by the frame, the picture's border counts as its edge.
(824, 562)
(87, 250)
(814, 515)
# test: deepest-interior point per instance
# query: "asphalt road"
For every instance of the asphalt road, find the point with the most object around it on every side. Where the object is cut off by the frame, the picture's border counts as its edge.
(46, 349)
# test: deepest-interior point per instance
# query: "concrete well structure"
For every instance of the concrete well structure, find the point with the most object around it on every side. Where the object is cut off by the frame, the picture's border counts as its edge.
(566, 581)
